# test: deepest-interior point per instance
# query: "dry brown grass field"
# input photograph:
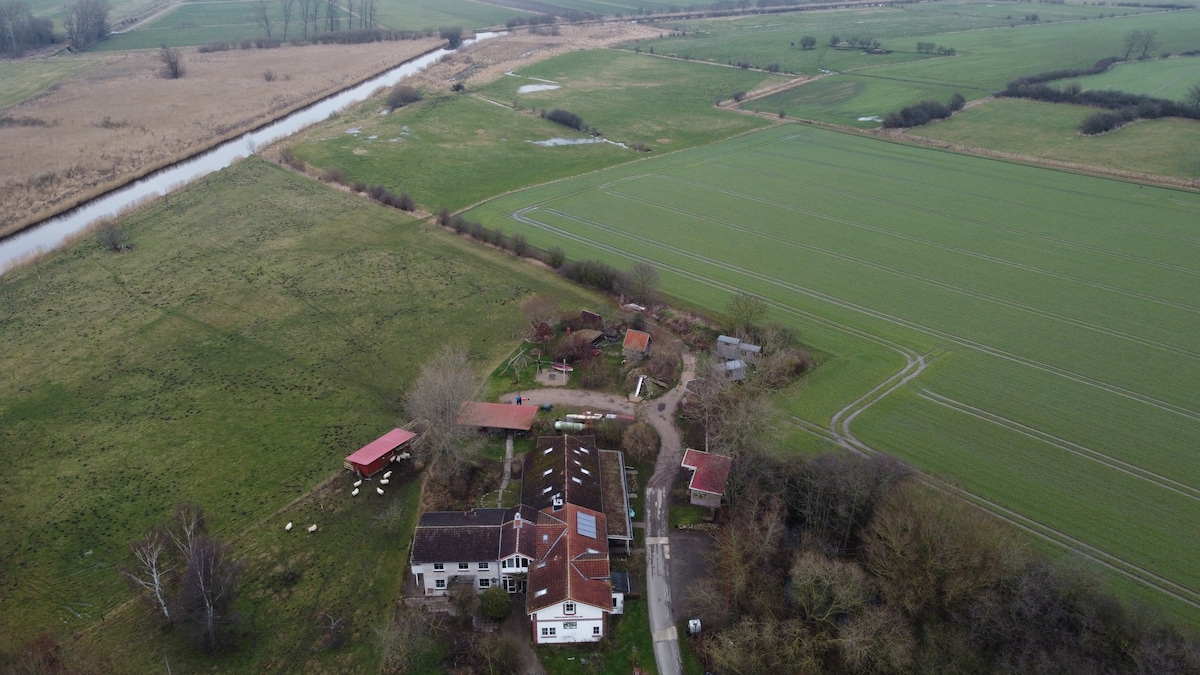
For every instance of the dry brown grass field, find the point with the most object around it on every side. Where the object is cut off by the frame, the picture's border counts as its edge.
(118, 120)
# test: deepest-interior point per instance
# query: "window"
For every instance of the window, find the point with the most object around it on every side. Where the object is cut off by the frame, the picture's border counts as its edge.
(570, 625)
(440, 583)
(484, 566)
(464, 566)
(549, 631)
(484, 583)
(439, 567)
(568, 608)
(595, 630)
(540, 593)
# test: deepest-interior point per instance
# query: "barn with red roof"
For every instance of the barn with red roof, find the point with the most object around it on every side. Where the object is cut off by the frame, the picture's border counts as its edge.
(372, 457)
(710, 473)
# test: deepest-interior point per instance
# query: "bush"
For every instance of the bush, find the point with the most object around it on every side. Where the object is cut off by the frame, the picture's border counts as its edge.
(565, 118)
(916, 115)
(334, 174)
(555, 257)
(495, 603)
(1101, 122)
(519, 245)
(593, 274)
(402, 95)
(290, 160)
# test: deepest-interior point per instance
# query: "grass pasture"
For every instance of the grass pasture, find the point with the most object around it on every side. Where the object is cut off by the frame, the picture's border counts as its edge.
(1160, 78)
(1057, 311)
(24, 79)
(1051, 131)
(262, 327)
(453, 150)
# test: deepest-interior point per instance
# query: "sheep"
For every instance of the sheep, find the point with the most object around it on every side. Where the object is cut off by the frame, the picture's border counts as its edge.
(404, 455)
(384, 482)
(357, 483)
(379, 490)
(288, 527)
(354, 493)
(312, 528)
(387, 474)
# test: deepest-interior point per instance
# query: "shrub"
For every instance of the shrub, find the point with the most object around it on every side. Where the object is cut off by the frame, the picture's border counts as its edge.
(290, 159)
(495, 603)
(640, 441)
(592, 273)
(334, 174)
(268, 75)
(555, 257)
(519, 245)
(402, 95)
(1101, 122)
(565, 118)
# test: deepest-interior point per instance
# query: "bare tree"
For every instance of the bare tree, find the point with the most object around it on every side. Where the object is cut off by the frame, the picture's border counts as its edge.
(640, 284)
(86, 22)
(446, 382)
(333, 15)
(262, 15)
(1193, 96)
(172, 60)
(187, 527)
(305, 9)
(206, 596)
(744, 310)
(1148, 43)
(111, 236)
(411, 634)
(153, 571)
(640, 441)
(285, 10)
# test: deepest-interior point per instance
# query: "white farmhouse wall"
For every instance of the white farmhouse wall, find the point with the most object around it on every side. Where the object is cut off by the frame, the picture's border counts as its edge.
(553, 625)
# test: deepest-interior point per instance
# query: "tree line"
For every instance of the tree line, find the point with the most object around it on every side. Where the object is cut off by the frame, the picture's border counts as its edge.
(923, 112)
(848, 564)
(20, 30)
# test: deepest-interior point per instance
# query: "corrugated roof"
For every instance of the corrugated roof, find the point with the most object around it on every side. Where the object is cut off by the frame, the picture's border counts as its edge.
(380, 446)
(497, 415)
(636, 340)
(711, 472)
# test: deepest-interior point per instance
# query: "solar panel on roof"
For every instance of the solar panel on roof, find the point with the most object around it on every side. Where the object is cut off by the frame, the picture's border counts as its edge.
(585, 524)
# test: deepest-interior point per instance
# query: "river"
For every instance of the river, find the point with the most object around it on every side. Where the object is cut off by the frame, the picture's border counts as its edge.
(51, 233)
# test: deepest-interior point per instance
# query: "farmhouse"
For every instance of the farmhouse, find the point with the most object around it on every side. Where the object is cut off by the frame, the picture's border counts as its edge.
(710, 473)
(373, 456)
(637, 344)
(497, 417)
(554, 546)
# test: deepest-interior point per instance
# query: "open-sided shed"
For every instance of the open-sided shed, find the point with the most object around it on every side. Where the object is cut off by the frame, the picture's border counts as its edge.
(375, 455)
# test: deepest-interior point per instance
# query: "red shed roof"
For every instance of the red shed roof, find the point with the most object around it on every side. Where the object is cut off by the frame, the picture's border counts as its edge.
(380, 446)
(637, 340)
(497, 415)
(711, 471)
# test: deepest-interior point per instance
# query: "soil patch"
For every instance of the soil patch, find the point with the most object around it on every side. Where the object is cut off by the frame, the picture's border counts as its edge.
(118, 120)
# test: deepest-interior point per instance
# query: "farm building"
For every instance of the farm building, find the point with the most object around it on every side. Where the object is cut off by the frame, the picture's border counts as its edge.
(732, 370)
(710, 473)
(554, 546)
(591, 320)
(497, 417)
(375, 455)
(731, 349)
(637, 344)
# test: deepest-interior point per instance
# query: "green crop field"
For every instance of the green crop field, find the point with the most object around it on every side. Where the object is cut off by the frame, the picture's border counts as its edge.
(263, 327)
(993, 41)
(1048, 320)
(454, 150)
(25, 79)
(1051, 131)
(1160, 78)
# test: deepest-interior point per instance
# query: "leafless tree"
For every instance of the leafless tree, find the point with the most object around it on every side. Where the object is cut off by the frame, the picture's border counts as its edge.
(744, 310)
(538, 308)
(285, 10)
(153, 571)
(172, 60)
(413, 632)
(111, 236)
(1147, 43)
(434, 403)
(86, 22)
(305, 10)
(640, 284)
(333, 15)
(263, 16)
(187, 527)
(640, 441)
(207, 592)
(1193, 96)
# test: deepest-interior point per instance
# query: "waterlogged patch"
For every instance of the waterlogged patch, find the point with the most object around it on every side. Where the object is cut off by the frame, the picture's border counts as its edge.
(530, 88)
(354, 131)
(873, 118)
(552, 142)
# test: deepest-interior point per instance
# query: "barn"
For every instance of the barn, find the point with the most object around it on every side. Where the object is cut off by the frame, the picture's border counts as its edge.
(497, 417)
(373, 456)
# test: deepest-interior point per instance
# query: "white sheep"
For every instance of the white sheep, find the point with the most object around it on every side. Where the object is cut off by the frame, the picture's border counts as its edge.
(404, 455)
(312, 528)
(357, 483)
(354, 493)
(383, 482)
(288, 527)
(379, 490)
(387, 474)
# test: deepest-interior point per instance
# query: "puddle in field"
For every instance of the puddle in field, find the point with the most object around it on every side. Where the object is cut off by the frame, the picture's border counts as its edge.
(552, 142)
(872, 118)
(530, 88)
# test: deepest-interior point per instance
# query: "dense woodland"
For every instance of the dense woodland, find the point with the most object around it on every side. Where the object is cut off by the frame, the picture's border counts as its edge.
(845, 564)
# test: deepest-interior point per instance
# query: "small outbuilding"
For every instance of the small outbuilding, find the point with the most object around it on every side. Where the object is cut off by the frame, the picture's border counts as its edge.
(710, 473)
(492, 417)
(637, 344)
(734, 371)
(373, 456)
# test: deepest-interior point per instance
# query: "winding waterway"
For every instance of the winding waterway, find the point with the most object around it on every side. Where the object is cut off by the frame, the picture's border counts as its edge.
(51, 233)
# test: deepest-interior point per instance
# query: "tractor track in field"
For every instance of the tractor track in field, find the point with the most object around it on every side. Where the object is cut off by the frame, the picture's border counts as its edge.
(839, 431)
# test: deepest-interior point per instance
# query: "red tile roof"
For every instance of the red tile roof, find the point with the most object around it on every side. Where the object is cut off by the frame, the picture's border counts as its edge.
(569, 565)
(497, 415)
(380, 446)
(636, 340)
(711, 471)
